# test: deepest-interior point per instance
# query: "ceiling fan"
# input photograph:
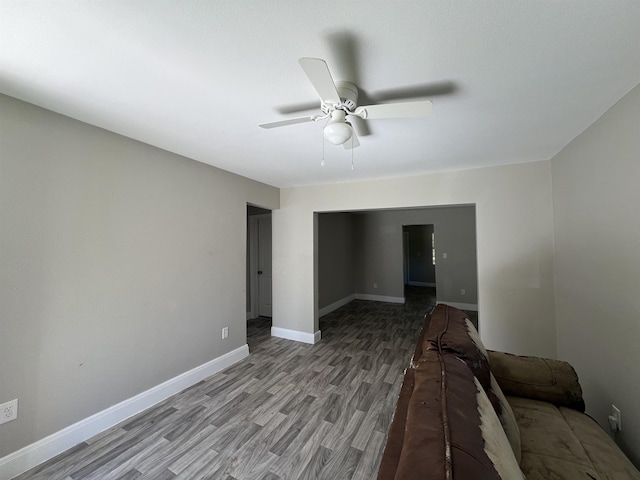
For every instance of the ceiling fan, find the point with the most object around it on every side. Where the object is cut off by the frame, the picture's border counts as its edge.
(338, 100)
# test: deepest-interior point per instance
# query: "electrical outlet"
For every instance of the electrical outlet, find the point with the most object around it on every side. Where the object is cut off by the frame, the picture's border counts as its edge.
(463, 291)
(9, 411)
(375, 285)
(615, 419)
(225, 332)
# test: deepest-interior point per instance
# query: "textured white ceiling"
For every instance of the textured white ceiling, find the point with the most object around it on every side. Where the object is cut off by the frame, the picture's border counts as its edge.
(511, 81)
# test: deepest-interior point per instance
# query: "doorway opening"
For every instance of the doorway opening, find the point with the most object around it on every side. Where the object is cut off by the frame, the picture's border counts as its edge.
(370, 255)
(259, 278)
(419, 263)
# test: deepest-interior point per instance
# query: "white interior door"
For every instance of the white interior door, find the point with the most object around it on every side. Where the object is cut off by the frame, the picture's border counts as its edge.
(264, 266)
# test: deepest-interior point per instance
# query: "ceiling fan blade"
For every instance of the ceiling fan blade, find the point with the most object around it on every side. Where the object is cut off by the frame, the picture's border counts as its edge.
(360, 126)
(352, 142)
(291, 121)
(318, 73)
(395, 110)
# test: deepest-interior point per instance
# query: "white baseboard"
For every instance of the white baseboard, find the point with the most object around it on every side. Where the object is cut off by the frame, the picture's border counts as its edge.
(296, 335)
(358, 296)
(461, 306)
(336, 305)
(36, 453)
(379, 298)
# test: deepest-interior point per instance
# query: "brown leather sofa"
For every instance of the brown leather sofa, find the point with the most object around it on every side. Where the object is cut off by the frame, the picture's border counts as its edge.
(465, 413)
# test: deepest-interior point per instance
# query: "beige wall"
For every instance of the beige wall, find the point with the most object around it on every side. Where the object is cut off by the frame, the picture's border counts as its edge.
(514, 246)
(119, 265)
(596, 194)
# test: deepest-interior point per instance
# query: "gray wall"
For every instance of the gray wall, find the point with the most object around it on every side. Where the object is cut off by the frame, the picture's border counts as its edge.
(336, 257)
(119, 265)
(357, 250)
(379, 239)
(596, 196)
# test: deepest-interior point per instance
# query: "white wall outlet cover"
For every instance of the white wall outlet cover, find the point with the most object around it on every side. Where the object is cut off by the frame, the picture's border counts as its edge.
(615, 419)
(9, 411)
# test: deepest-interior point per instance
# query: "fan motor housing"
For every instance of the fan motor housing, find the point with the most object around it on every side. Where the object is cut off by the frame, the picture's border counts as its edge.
(348, 94)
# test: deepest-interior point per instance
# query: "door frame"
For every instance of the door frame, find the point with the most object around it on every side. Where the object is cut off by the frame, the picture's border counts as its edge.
(253, 263)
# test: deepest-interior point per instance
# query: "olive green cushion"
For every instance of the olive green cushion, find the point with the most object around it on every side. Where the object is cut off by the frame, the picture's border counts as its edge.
(564, 444)
(539, 378)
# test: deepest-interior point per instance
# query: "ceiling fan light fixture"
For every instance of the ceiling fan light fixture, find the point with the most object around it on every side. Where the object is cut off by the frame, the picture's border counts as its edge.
(337, 130)
(339, 99)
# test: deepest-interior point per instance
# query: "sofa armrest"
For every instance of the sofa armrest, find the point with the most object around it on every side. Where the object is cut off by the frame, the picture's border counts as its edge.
(537, 378)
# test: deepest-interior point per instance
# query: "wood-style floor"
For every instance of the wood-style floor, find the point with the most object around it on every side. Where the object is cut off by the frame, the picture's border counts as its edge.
(288, 411)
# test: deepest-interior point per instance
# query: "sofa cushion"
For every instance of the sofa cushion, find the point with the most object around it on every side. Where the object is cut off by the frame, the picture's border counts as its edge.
(449, 428)
(549, 447)
(605, 456)
(395, 438)
(543, 379)
(564, 444)
(448, 330)
(417, 353)
(507, 420)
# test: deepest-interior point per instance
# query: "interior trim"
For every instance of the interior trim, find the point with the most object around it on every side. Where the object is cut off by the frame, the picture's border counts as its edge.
(296, 335)
(379, 298)
(36, 453)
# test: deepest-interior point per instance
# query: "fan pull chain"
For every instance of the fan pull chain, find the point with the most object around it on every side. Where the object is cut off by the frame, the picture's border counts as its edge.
(352, 167)
(322, 163)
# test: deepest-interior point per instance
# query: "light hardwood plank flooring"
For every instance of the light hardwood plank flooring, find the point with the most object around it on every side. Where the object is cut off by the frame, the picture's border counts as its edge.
(288, 411)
